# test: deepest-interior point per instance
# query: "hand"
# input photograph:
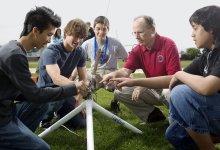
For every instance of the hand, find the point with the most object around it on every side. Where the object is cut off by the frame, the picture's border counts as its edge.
(82, 87)
(174, 81)
(136, 93)
(120, 82)
(106, 78)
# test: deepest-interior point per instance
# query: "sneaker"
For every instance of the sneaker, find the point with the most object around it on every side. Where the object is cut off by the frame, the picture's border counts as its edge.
(45, 125)
(156, 115)
(115, 107)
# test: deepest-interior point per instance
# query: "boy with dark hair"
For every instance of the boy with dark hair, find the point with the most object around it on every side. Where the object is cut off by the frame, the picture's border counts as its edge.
(194, 104)
(16, 83)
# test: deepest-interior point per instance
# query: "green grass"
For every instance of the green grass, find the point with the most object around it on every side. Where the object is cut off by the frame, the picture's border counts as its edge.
(185, 63)
(108, 135)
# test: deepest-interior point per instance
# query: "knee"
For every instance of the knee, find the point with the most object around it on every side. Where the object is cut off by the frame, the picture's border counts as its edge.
(117, 94)
(179, 93)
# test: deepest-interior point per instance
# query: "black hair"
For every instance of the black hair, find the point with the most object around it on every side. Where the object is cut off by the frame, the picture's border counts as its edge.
(41, 17)
(209, 18)
(55, 34)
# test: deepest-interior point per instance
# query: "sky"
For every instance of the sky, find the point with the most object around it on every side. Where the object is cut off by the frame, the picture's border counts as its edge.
(171, 16)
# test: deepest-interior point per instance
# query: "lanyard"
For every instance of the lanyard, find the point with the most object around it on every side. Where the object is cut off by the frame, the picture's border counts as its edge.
(105, 50)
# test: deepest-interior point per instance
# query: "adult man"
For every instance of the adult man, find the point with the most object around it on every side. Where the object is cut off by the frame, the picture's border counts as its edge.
(16, 82)
(111, 50)
(156, 56)
(56, 67)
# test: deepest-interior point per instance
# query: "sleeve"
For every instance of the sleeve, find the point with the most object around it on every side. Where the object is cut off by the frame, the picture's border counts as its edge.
(85, 47)
(215, 70)
(20, 76)
(82, 61)
(122, 53)
(133, 62)
(172, 60)
(193, 68)
(49, 56)
(198, 64)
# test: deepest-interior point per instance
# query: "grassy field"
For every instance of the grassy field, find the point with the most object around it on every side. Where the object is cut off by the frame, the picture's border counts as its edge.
(33, 64)
(108, 135)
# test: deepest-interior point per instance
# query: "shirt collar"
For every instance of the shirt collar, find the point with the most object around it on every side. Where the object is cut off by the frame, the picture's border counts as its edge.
(156, 45)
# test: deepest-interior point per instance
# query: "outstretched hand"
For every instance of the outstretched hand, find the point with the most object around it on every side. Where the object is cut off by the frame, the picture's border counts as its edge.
(106, 78)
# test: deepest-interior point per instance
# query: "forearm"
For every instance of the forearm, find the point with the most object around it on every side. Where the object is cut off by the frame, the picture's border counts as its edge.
(198, 83)
(154, 82)
(61, 80)
(82, 74)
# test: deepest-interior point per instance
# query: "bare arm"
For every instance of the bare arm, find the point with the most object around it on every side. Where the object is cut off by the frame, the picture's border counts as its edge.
(82, 74)
(152, 83)
(160, 82)
(203, 85)
(124, 72)
(57, 78)
(74, 74)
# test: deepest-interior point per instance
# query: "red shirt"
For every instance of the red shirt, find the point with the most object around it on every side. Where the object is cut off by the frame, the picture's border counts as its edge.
(162, 59)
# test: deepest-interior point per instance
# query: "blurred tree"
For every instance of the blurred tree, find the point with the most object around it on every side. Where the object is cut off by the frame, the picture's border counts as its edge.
(193, 52)
(190, 54)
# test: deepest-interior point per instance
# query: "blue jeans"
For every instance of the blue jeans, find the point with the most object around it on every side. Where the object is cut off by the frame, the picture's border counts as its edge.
(31, 114)
(62, 108)
(194, 111)
(179, 138)
(15, 135)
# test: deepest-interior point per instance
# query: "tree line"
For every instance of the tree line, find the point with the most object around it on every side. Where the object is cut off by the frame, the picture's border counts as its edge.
(190, 54)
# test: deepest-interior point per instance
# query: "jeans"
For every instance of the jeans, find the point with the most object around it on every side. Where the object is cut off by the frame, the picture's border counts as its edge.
(179, 138)
(15, 135)
(31, 114)
(194, 111)
(62, 108)
(78, 121)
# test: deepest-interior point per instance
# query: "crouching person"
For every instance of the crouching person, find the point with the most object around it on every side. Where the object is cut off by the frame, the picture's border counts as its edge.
(16, 82)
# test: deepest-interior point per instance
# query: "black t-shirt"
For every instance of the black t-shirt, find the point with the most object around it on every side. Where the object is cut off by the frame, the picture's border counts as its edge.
(207, 64)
